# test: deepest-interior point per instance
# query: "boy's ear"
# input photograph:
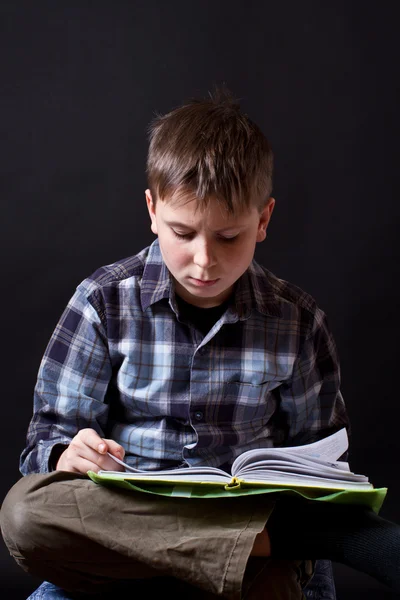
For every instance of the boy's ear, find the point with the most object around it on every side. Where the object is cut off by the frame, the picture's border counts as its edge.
(152, 211)
(265, 217)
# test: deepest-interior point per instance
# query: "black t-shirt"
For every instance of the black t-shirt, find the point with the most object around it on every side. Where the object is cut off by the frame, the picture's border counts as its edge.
(202, 318)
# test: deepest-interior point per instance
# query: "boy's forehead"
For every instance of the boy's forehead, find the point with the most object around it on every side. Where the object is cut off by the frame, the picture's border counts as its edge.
(191, 211)
(185, 202)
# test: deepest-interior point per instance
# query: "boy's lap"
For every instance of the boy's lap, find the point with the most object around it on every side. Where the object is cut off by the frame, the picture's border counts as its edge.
(64, 481)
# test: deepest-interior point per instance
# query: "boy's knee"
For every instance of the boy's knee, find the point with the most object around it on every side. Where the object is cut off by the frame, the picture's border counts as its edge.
(23, 517)
(16, 519)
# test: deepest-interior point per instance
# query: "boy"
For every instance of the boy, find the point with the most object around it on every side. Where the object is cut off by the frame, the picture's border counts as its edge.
(187, 353)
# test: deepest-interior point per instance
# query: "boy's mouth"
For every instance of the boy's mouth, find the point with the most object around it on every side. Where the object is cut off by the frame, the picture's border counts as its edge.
(203, 282)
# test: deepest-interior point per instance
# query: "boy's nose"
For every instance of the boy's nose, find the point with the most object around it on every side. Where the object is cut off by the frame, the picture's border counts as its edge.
(204, 256)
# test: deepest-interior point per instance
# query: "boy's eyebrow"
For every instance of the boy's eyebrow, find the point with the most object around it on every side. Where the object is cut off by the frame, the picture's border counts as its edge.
(176, 224)
(185, 226)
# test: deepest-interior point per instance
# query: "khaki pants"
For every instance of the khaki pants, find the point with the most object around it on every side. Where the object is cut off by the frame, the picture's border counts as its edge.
(85, 537)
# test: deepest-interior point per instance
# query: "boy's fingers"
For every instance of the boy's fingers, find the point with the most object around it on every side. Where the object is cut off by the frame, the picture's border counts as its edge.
(115, 448)
(91, 438)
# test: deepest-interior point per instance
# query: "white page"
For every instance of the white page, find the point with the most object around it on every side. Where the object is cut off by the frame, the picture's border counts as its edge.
(182, 473)
(299, 479)
(267, 454)
(260, 468)
(177, 475)
(125, 465)
(328, 450)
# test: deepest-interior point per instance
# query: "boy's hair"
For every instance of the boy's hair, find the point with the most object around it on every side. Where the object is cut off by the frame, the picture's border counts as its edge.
(210, 149)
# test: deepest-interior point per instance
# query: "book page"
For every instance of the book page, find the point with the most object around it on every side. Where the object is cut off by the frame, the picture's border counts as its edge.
(298, 479)
(329, 449)
(266, 455)
(325, 451)
(270, 466)
(125, 465)
(182, 474)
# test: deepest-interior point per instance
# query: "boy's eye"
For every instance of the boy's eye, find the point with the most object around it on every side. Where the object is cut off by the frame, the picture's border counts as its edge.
(189, 236)
(229, 239)
(182, 236)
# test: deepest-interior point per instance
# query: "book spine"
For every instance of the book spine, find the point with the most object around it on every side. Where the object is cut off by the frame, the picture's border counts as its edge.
(234, 484)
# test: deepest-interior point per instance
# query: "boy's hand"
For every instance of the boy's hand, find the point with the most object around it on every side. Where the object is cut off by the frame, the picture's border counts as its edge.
(88, 452)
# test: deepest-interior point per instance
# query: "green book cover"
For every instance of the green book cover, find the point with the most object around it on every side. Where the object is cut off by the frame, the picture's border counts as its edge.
(373, 498)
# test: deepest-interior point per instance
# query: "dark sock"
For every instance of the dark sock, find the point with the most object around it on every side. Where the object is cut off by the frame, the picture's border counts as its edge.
(352, 535)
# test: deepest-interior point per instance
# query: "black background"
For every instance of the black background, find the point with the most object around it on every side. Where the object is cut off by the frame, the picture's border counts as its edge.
(80, 81)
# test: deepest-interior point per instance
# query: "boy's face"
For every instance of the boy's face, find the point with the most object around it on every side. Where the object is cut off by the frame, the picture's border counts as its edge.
(206, 252)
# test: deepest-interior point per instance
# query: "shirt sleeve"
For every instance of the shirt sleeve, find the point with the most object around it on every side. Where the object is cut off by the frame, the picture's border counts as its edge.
(311, 400)
(71, 385)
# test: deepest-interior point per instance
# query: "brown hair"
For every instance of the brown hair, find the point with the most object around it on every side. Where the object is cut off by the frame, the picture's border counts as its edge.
(210, 149)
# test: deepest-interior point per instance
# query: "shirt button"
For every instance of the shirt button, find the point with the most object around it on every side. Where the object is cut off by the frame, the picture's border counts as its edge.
(198, 415)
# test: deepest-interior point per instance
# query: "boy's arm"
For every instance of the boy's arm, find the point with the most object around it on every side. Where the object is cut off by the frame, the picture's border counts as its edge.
(311, 400)
(72, 381)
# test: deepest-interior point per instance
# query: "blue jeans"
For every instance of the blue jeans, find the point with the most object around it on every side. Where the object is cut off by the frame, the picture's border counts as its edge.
(321, 587)
(322, 584)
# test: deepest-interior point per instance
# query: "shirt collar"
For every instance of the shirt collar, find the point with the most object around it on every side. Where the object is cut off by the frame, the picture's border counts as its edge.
(254, 290)
(156, 280)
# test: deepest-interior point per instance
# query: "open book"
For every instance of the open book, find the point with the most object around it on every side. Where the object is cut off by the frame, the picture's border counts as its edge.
(312, 465)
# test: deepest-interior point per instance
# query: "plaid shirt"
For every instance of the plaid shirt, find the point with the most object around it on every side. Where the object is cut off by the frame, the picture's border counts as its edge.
(124, 362)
